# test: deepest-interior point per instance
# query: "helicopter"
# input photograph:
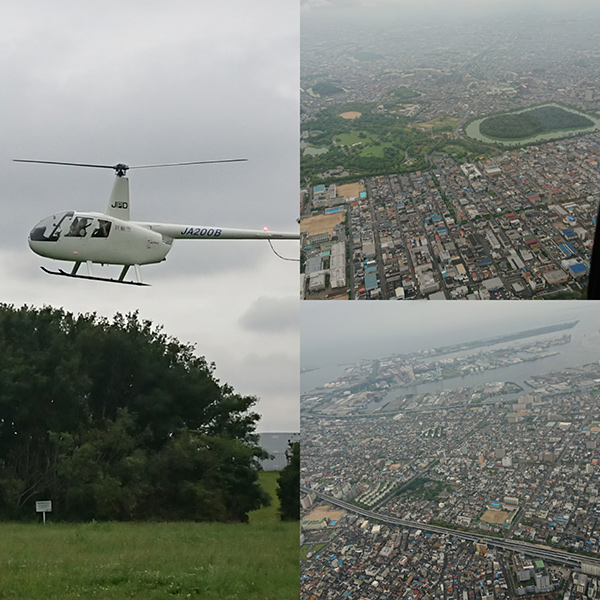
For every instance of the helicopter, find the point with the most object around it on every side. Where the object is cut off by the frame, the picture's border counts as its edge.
(111, 238)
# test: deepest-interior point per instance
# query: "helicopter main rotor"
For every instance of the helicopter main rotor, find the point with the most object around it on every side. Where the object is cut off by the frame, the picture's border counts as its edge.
(121, 169)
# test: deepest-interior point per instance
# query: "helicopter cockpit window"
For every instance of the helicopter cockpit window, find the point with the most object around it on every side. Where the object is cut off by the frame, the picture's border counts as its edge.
(102, 229)
(51, 228)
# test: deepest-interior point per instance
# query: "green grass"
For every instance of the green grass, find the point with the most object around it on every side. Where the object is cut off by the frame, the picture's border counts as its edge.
(150, 561)
(351, 138)
(376, 150)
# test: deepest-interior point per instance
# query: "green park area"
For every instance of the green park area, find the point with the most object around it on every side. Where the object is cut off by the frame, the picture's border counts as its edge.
(150, 561)
(377, 150)
(374, 143)
(368, 143)
(355, 137)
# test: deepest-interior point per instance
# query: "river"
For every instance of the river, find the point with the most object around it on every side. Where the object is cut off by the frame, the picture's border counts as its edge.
(583, 348)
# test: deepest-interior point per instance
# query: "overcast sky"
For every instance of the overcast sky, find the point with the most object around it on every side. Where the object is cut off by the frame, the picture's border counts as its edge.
(153, 82)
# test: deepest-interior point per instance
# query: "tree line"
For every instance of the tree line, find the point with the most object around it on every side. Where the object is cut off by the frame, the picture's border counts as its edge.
(113, 419)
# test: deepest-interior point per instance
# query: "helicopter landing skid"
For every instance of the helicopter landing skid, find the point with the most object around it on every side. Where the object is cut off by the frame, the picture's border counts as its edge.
(106, 279)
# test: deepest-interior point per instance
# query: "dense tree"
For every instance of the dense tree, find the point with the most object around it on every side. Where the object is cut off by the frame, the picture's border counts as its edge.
(288, 491)
(116, 420)
(543, 119)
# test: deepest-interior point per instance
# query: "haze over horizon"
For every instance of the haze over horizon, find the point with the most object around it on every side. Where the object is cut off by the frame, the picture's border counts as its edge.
(333, 333)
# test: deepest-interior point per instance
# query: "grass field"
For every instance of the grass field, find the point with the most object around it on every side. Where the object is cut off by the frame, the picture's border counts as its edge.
(438, 122)
(376, 150)
(150, 561)
(351, 138)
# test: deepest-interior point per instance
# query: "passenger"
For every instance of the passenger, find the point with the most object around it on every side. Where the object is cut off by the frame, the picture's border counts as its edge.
(78, 227)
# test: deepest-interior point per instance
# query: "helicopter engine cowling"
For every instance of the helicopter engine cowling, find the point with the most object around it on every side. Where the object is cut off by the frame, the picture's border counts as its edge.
(98, 238)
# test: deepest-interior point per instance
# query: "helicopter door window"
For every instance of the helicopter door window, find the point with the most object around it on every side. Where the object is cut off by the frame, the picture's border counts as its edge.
(103, 229)
(79, 227)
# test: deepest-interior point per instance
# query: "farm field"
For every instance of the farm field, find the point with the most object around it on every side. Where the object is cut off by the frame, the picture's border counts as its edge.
(255, 561)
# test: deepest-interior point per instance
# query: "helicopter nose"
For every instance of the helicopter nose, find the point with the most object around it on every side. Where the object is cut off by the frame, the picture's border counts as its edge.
(36, 237)
(36, 246)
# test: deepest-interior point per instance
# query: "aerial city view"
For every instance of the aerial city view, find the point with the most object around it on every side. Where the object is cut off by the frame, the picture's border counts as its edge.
(449, 154)
(450, 454)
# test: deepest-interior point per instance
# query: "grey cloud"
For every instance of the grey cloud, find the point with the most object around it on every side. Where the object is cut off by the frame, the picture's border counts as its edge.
(271, 315)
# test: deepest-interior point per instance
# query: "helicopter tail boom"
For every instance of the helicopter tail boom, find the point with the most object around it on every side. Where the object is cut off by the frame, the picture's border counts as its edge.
(191, 232)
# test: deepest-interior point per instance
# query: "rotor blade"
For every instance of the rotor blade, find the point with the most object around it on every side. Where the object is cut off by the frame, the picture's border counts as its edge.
(52, 162)
(195, 162)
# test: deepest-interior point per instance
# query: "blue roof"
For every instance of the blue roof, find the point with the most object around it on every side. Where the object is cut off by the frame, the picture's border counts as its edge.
(567, 249)
(578, 268)
(370, 281)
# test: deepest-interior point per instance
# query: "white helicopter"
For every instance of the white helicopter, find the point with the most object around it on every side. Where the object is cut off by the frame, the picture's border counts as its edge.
(110, 238)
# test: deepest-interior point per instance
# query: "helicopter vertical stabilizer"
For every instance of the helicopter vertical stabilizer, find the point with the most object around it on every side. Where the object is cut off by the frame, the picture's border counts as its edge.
(118, 203)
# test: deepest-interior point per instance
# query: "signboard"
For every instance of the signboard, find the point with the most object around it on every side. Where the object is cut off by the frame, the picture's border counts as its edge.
(43, 506)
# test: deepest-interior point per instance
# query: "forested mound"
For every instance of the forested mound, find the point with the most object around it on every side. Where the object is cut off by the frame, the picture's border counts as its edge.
(540, 120)
(326, 88)
(116, 420)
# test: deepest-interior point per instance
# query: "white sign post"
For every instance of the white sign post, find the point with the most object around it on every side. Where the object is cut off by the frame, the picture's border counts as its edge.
(43, 506)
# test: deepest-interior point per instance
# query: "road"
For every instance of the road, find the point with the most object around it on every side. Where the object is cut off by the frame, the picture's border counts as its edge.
(545, 552)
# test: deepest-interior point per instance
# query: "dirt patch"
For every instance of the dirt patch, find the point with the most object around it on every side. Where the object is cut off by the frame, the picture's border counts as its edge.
(325, 512)
(495, 517)
(352, 114)
(350, 190)
(321, 223)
